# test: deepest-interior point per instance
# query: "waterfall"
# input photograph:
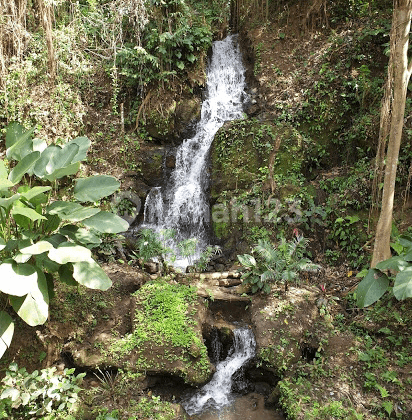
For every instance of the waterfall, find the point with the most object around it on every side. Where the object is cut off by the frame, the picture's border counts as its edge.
(182, 204)
(216, 394)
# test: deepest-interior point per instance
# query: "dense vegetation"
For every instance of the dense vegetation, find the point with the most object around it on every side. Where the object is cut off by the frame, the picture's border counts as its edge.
(125, 74)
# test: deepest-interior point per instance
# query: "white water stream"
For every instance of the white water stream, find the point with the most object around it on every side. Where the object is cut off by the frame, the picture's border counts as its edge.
(216, 394)
(182, 204)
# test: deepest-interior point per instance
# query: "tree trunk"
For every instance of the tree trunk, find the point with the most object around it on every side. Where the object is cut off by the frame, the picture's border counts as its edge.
(401, 71)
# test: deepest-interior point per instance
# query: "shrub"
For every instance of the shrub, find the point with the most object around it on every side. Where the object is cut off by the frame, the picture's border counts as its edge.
(42, 238)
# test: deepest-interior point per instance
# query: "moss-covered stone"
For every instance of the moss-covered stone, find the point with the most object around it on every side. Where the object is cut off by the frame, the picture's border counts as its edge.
(166, 336)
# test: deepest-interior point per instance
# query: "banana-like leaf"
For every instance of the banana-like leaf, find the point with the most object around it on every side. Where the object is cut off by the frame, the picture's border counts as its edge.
(3, 244)
(402, 288)
(372, 287)
(6, 331)
(34, 307)
(95, 187)
(90, 274)
(106, 222)
(23, 167)
(17, 279)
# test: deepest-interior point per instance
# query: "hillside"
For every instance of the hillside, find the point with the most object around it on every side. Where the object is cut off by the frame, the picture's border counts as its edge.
(296, 173)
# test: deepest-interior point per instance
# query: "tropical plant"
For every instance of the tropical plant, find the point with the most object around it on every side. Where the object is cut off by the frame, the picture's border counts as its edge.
(38, 394)
(275, 264)
(206, 256)
(41, 237)
(377, 280)
(152, 245)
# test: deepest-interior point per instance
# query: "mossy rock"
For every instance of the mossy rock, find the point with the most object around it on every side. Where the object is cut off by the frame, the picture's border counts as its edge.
(242, 149)
(168, 114)
(152, 165)
(167, 333)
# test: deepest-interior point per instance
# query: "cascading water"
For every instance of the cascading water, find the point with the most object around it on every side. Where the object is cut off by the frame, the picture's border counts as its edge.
(216, 394)
(182, 204)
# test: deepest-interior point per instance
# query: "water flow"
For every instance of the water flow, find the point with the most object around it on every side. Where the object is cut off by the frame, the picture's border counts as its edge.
(216, 394)
(182, 204)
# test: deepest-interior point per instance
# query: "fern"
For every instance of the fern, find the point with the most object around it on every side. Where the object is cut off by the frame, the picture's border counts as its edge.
(275, 264)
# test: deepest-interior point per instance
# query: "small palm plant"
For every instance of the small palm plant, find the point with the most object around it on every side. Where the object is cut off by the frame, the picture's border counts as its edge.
(271, 264)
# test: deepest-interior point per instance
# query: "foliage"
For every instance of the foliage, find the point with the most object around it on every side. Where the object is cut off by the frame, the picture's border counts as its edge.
(44, 394)
(164, 318)
(206, 256)
(275, 264)
(41, 237)
(152, 245)
(347, 233)
(377, 280)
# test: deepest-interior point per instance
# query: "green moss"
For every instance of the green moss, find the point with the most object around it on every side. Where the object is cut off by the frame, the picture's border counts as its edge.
(165, 336)
(221, 229)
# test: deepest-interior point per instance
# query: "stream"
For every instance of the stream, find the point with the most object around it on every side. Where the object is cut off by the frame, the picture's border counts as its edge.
(182, 205)
(216, 399)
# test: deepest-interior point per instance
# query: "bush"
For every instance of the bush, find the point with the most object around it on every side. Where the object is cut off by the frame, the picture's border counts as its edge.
(42, 238)
(43, 394)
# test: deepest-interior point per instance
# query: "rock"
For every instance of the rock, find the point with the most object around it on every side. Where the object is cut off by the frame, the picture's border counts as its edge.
(132, 211)
(280, 326)
(170, 161)
(151, 267)
(152, 165)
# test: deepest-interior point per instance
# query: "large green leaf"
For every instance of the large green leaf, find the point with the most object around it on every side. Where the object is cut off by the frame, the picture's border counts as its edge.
(107, 222)
(6, 331)
(62, 157)
(394, 263)
(34, 307)
(247, 260)
(95, 187)
(84, 144)
(23, 167)
(4, 173)
(81, 214)
(60, 173)
(372, 287)
(29, 213)
(80, 235)
(6, 203)
(17, 279)
(3, 244)
(73, 212)
(5, 184)
(405, 240)
(18, 141)
(37, 248)
(402, 288)
(68, 252)
(34, 192)
(43, 166)
(66, 274)
(63, 208)
(91, 275)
